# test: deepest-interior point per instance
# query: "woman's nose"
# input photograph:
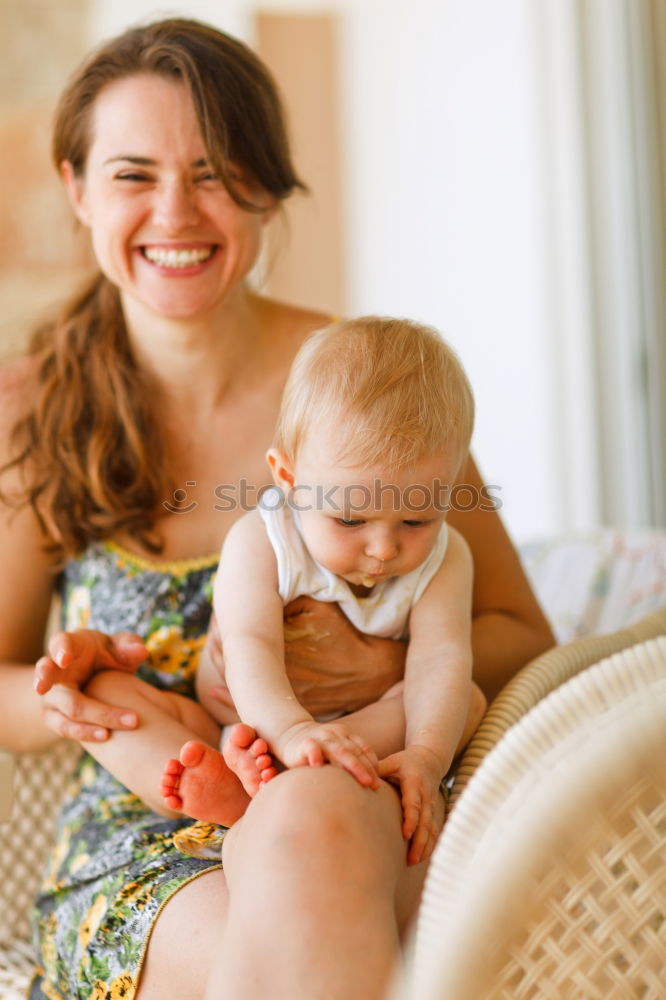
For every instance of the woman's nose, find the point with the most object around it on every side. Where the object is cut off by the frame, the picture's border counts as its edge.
(175, 207)
(381, 545)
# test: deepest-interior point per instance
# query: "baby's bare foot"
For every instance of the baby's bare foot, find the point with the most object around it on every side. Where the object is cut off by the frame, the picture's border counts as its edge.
(248, 757)
(201, 785)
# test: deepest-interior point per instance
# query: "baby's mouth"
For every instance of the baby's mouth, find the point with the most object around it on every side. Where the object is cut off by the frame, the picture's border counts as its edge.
(170, 257)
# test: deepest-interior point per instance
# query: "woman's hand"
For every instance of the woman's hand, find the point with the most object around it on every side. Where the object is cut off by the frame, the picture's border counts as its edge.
(72, 659)
(329, 662)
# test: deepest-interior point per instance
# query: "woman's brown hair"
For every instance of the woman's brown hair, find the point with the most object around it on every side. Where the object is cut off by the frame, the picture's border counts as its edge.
(91, 454)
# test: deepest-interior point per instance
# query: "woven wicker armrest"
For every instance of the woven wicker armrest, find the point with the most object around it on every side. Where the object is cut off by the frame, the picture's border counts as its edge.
(549, 880)
(540, 677)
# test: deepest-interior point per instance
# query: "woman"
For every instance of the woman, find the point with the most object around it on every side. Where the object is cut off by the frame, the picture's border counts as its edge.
(165, 375)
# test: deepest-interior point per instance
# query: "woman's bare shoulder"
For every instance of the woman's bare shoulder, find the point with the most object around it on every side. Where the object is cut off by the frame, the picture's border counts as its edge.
(294, 319)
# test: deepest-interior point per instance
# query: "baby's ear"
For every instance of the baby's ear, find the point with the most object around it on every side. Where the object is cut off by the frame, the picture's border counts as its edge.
(283, 475)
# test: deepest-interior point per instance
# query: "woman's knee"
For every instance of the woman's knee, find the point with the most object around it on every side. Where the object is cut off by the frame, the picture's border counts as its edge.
(322, 813)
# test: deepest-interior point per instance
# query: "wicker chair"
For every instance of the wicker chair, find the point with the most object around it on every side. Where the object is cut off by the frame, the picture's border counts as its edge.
(27, 813)
(549, 880)
(31, 790)
(538, 679)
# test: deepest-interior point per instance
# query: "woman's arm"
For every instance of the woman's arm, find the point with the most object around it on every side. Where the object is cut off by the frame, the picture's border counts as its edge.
(29, 722)
(508, 626)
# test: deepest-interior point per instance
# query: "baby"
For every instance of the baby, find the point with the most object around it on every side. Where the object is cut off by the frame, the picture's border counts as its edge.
(375, 424)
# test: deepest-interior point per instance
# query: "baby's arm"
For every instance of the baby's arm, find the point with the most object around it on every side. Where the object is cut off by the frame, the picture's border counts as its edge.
(438, 675)
(249, 611)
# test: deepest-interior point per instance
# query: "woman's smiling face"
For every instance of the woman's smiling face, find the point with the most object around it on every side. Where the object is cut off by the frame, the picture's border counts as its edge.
(164, 228)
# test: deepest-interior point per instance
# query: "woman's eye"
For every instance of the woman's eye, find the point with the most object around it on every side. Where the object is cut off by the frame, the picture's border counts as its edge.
(132, 177)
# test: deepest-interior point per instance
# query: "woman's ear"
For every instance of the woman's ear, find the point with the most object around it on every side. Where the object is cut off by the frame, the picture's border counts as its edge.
(283, 474)
(75, 188)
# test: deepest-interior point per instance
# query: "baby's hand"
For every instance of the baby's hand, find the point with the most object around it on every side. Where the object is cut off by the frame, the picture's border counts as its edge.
(315, 743)
(418, 773)
(73, 657)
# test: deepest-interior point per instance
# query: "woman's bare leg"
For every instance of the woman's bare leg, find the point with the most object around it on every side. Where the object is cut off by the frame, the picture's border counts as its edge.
(185, 941)
(323, 860)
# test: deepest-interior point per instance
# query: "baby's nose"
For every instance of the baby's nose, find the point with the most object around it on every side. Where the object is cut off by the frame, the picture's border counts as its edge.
(382, 545)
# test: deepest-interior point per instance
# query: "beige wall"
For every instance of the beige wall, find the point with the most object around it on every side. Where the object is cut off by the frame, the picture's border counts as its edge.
(41, 256)
(306, 262)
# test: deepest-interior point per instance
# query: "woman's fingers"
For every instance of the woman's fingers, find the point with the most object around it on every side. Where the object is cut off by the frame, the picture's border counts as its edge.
(75, 716)
(66, 647)
(125, 651)
(47, 673)
(86, 649)
(69, 730)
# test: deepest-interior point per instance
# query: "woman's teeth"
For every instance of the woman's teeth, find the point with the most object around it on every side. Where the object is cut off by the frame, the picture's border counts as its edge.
(176, 258)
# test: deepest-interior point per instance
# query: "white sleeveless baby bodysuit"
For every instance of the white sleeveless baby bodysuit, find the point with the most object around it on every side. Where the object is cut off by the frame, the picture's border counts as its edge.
(384, 612)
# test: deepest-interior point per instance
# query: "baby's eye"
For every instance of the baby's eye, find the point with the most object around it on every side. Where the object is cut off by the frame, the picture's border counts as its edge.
(348, 522)
(415, 524)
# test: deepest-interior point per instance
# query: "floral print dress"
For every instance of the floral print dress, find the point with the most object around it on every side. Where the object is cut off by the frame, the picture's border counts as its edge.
(115, 863)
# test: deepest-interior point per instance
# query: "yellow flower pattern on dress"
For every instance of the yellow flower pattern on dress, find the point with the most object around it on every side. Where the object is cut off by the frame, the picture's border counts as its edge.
(92, 920)
(79, 862)
(201, 840)
(122, 988)
(78, 609)
(171, 653)
(115, 863)
(50, 993)
(58, 855)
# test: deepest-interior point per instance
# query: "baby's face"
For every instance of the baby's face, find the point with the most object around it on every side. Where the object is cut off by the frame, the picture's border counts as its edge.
(367, 525)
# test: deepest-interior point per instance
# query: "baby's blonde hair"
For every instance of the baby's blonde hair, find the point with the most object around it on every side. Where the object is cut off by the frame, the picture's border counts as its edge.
(396, 391)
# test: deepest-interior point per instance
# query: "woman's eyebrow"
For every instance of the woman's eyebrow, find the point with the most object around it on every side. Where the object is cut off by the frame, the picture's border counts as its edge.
(145, 161)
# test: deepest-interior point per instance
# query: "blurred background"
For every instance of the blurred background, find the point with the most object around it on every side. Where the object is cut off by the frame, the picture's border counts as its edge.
(496, 168)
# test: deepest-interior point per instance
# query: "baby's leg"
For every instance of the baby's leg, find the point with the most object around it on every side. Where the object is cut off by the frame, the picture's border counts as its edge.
(166, 721)
(382, 724)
